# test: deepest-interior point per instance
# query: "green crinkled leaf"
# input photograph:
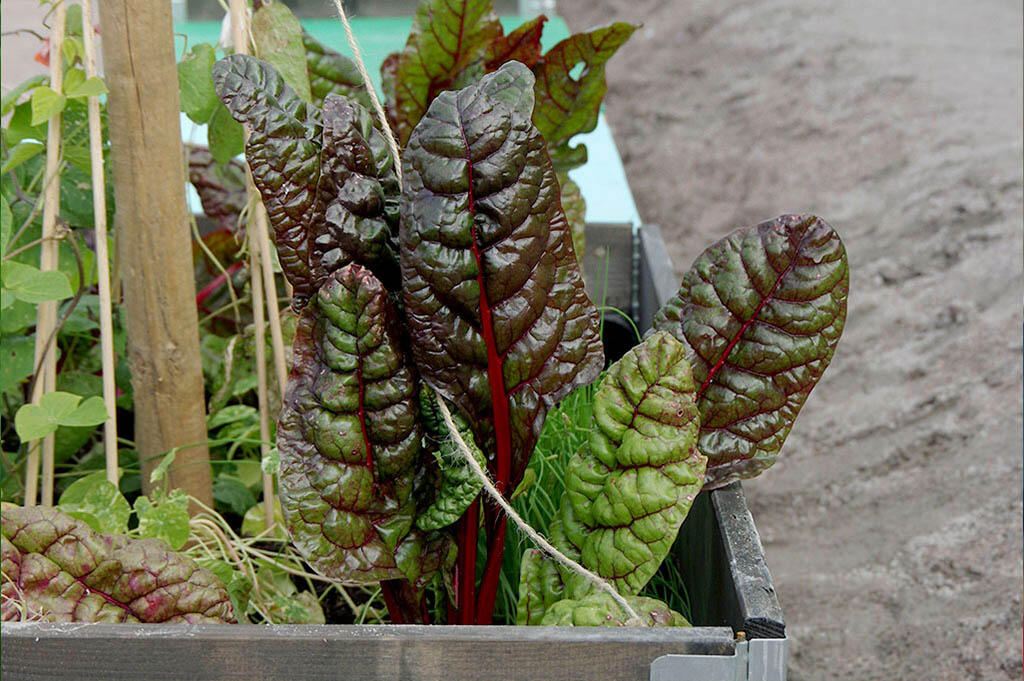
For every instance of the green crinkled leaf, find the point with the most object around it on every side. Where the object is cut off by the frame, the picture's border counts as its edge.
(195, 83)
(349, 436)
(333, 73)
(446, 36)
(540, 587)
(629, 489)
(567, 106)
(57, 569)
(599, 609)
(761, 312)
(278, 39)
(575, 207)
(459, 486)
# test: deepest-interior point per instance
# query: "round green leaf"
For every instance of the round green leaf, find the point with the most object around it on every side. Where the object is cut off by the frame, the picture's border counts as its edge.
(168, 521)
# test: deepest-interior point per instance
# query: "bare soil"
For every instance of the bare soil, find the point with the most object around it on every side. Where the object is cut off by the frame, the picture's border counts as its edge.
(892, 521)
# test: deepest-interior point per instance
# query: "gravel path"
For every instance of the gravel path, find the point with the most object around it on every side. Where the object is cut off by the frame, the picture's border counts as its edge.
(892, 524)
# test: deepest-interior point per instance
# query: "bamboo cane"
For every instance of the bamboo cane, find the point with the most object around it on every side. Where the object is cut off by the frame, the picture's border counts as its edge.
(257, 239)
(99, 211)
(46, 320)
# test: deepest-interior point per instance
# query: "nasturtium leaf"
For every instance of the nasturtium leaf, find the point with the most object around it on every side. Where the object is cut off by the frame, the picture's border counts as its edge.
(254, 522)
(97, 502)
(599, 609)
(629, 490)
(22, 151)
(46, 104)
(446, 36)
(499, 320)
(168, 520)
(231, 414)
(566, 105)
(459, 486)
(57, 569)
(761, 312)
(278, 39)
(333, 73)
(521, 45)
(76, 491)
(195, 83)
(33, 285)
(232, 495)
(16, 360)
(225, 136)
(348, 435)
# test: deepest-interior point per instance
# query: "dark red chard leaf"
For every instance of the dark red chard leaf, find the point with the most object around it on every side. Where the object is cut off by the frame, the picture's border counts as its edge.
(568, 105)
(358, 195)
(57, 569)
(499, 319)
(522, 45)
(575, 207)
(283, 152)
(332, 73)
(349, 435)
(762, 311)
(221, 189)
(446, 36)
(388, 82)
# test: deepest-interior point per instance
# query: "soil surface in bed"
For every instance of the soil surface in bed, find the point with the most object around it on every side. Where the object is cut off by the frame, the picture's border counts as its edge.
(892, 523)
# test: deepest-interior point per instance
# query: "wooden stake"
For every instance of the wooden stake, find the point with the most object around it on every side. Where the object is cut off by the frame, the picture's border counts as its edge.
(276, 337)
(257, 231)
(155, 250)
(99, 211)
(46, 319)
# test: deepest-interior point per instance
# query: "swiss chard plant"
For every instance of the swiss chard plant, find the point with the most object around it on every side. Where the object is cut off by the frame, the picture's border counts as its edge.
(458, 277)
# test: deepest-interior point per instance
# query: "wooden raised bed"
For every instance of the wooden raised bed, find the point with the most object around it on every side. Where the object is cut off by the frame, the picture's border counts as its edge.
(740, 633)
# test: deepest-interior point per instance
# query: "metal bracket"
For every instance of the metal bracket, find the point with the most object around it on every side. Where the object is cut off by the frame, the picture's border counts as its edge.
(761, 659)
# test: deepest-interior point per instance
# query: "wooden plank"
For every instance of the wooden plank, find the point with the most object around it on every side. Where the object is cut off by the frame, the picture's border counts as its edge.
(607, 267)
(658, 281)
(115, 652)
(154, 241)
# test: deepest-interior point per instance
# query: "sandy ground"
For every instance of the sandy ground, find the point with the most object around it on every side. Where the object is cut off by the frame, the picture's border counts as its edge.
(892, 523)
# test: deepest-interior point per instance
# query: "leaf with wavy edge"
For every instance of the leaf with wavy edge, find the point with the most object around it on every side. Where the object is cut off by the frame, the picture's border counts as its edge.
(459, 486)
(629, 489)
(575, 207)
(598, 609)
(521, 45)
(331, 72)
(446, 36)
(283, 151)
(761, 312)
(349, 435)
(277, 36)
(567, 106)
(56, 569)
(499, 320)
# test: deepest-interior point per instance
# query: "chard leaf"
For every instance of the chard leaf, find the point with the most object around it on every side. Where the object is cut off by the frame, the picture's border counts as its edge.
(499, 320)
(221, 188)
(446, 36)
(598, 609)
(283, 152)
(629, 489)
(278, 39)
(567, 106)
(348, 436)
(540, 587)
(332, 73)
(575, 207)
(521, 45)
(57, 569)
(459, 486)
(761, 312)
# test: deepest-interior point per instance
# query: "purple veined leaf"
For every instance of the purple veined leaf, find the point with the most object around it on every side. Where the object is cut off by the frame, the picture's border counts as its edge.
(57, 569)
(349, 435)
(388, 84)
(446, 36)
(566, 104)
(221, 189)
(331, 72)
(598, 609)
(761, 312)
(575, 207)
(521, 45)
(499, 320)
(283, 153)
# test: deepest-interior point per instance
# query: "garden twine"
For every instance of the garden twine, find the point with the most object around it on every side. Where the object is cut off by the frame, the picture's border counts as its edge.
(535, 536)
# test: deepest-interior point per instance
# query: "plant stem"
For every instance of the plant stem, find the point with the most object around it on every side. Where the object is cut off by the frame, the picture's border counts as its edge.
(492, 569)
(465, 577)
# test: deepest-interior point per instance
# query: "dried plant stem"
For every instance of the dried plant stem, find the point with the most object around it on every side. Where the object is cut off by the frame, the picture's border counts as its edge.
(99, 210)
(533, 534)
(257, 243)
(46, 320)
